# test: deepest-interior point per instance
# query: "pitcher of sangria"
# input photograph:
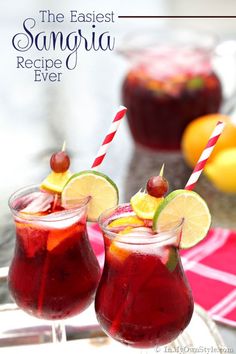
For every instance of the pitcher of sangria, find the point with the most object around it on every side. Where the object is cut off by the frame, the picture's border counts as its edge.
(175, 76)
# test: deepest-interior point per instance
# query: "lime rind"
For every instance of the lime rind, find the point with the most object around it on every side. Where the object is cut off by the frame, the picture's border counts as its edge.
(172, 260)
(188, 205)
(100, 174)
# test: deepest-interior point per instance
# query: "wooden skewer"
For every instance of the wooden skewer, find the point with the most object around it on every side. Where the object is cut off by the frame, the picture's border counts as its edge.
(64, 146)
(162, 170)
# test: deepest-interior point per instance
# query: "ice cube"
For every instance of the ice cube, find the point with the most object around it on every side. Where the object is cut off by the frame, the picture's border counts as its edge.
(36, 202)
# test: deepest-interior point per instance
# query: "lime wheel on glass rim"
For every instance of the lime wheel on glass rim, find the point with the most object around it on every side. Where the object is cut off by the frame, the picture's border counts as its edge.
(169, 211)
(101, 190)
(187, 206)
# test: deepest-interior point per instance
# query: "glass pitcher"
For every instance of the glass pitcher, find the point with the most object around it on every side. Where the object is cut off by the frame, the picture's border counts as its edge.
(175, 76)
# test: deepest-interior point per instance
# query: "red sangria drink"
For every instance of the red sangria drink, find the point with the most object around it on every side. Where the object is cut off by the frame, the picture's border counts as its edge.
(144, 299)
(54, 272)
(166, 88)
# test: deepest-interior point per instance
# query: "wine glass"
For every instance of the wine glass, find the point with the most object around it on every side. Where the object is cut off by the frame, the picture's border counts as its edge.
(143, 299)
(54, 272)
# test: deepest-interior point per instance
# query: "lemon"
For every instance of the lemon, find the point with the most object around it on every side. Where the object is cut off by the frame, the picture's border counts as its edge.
(222, 170)
(197, 133)
(55, 182)
(187, 206)
(102, 191)
(144, 205)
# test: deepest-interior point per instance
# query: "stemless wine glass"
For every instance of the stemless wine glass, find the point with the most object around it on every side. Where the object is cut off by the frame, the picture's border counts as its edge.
(143, 299)
(54, 272)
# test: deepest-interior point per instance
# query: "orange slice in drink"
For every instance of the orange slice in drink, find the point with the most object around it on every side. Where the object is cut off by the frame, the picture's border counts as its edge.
(189, 207)
(118, 250)
(123, 226)
(56, 237)
(126, 221)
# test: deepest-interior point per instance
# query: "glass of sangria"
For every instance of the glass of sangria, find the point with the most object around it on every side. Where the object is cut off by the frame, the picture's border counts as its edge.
(144, 299)
(172, 79)
(54, 272)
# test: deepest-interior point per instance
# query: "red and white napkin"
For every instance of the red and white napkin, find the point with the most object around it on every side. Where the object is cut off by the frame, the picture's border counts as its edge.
(211, 271)
(210, 268)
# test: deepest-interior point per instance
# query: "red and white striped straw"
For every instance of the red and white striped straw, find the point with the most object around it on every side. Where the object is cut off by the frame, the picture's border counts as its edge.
(110, 136)
(205, 156)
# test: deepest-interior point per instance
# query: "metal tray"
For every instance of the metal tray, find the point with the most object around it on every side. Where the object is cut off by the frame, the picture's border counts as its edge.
(21, 332)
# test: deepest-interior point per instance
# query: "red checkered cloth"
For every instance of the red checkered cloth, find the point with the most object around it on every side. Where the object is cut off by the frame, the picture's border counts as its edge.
(210, 268)
(211, 271)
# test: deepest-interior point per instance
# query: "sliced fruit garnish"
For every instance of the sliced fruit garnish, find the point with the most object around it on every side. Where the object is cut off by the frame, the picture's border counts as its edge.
(56, 237)
(126, 230)
(187, 206)
(172, 259)
(101, 190)
(126, 221)
(195, 83)
(121, 253)
(144, 205)
(55, 182)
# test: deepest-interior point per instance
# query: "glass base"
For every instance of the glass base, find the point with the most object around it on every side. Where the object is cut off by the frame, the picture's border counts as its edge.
(58, 332)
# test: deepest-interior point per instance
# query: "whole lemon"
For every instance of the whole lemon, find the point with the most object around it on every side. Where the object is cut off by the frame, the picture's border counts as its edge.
(197, 133)
(222, 170)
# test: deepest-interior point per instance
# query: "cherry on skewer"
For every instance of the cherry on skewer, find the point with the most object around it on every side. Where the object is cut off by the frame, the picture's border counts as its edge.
(60, 161)
(157, 186)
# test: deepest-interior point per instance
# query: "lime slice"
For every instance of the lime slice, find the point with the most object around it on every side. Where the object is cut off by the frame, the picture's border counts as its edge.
(172, 259)
(144, 205)
(55, 182)
(188, 206)
(99, 187)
